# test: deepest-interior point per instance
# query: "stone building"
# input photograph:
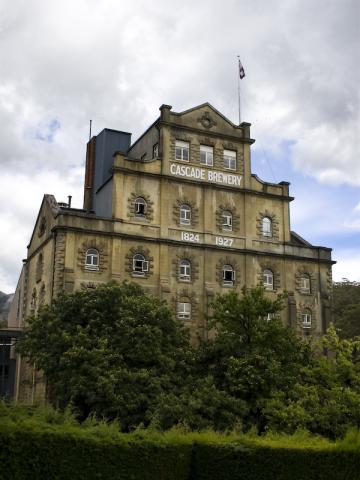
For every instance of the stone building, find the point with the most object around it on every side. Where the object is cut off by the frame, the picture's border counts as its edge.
(180, 213)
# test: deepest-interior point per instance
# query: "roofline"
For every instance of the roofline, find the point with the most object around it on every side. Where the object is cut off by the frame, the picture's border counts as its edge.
(146, 131)
(207, 104)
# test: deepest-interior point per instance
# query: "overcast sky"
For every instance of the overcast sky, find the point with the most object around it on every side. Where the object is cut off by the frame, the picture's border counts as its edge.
(115, 62)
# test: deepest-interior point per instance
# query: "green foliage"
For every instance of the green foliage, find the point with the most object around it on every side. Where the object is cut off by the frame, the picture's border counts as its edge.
(43, 443)
(326, 400)
(111, 352)
(346, 308)
(250, 358)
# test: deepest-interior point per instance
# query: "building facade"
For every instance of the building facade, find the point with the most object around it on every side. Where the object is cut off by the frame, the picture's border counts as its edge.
(180, 213)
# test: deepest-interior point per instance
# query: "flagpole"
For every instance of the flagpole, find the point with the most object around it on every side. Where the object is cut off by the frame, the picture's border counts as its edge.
(238, 77)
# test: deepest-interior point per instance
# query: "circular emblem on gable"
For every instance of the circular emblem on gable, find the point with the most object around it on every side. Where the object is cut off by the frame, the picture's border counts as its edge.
(206, 121)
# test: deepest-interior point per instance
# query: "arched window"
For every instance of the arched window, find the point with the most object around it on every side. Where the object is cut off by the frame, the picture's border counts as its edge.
(39, 267)
(228, 275)
(140, 265)
(185, 214)
(268, 280)
(306, 318)
(226, 220)
(184, 309)
(305, 283)
(266, 227)
(92, 259)
(185, 270)
(140, 207)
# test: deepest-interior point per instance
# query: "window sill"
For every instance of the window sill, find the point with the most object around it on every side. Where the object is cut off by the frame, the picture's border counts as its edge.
(91, 269)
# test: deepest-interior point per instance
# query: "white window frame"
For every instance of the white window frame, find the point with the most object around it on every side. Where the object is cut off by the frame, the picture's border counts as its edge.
(226, 220)
(206, 155)
(185, 214)
(229, 159)
(182, 151)
(140, 265)
(185, 270)
(92, 259)
(184, 310)
(140, 201)
(268, 274)
(266, 227)
(228, 269)
(305, 283)
(306, 319)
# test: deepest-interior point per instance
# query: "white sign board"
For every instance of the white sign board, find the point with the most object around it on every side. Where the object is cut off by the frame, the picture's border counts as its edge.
(198, 173)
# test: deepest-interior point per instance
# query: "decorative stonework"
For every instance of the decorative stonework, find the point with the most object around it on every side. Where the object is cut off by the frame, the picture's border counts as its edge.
(219, 269)
(235, 218)
(194, 212)
(93, 242)
(186, 295)
(194, 265)
(149, 214)
(142, 251)
(305, 271)
(268, 265)
(206, 121)
(42, 227)
(274, 225)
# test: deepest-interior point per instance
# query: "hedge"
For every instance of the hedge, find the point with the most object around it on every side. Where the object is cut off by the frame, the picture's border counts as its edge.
(52, 453)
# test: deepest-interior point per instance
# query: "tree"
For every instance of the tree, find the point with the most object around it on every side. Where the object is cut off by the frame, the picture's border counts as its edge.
(251, 355)
(112, 351)
(346, 308)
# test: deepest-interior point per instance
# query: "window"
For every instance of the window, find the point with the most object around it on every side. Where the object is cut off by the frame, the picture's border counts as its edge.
(140, 207)
(268, 280)
(306, 318)
(228, 275)
(230, 159)
(305, 285)
(206, 155)
(266, 227)
(226, 220)
(185, 214)
(140, 265)
(185, 270)
(156, 150)
(182, 150)
(39, 267)
(92, 259)
(270, 316)
(184, 310)
(33, 300)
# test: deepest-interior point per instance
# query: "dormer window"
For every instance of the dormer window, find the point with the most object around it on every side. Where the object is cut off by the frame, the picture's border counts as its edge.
(182, 150)
(140, 207)
(206, 155)
(92, 259)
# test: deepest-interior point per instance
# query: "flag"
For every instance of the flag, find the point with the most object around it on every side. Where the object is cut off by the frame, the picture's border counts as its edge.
(241, 70)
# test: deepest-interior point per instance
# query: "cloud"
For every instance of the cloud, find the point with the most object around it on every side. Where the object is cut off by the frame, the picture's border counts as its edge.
(116, 62)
